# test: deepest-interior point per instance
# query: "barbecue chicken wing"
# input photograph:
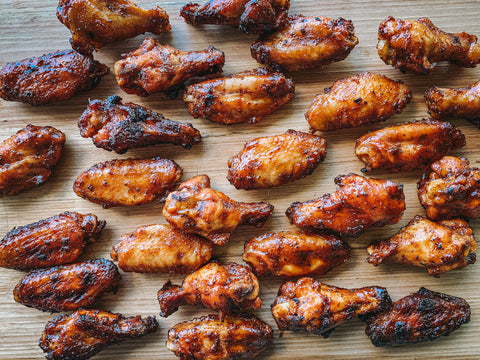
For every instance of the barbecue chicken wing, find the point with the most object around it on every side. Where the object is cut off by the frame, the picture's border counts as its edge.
(318, 308)
(50, 78)
(290, 254)
(127, 182)
(408, 146)
(155, 67)
(358, 204)
(275, 160)
(57, 240)
(161, 248)
(422, 316)
(196, 209)
(250, 16)
(305, 42)
(439, 247)
(86, 332)
(95, 23)
(67, 287)
(245, 97)
(358, 100)
(417, 46)
(451, 189)
(28, 157)
(214, 286)
(115, 126)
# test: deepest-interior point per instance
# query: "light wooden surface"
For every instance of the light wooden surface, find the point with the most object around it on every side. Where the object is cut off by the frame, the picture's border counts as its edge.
(30, 28)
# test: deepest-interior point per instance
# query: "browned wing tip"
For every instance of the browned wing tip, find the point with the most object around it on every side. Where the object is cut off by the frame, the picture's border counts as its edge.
(188, 12)
(169, 298)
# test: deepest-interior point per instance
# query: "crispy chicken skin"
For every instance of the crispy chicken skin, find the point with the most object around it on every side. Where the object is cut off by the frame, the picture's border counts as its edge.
(155, 67)
(417, 46)
(57, 240)
(67, 287)
(161, 248)
(86, 332)
(421, 316)
(408, 146)
(306, 42)
(95, 23)
(318, 308)
(116, 126)
(222, 287)
(50, 78)
(250, 16)
(358, 100)
(290, 254)
(127, 182)
(271, 161)
(244, 97)
(28, 157)
(195, 208)
(450, 189)
(358, 204)
(213, 338)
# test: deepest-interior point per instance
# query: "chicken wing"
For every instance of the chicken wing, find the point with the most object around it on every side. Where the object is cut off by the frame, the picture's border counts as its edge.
(250, 16)
(358, 100)
(358, 204)
(213, 338)
(275, 160)
(161, 248)
(155, 67)
(195, 208)
(86, 332)
(95, 23)
(439, 247)
(417, 46)
(28, 157)
(408, 146)
(115, 126)
(290, 254)
(57, 240)
(318, 308)
(451, 188)
(127, 182)
(50, 78)
(422, 316)
(67, 287)
(306, 42)
(214, 286)
(245, 97)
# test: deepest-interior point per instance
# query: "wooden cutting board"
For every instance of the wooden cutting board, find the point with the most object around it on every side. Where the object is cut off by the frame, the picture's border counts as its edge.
(30, 28)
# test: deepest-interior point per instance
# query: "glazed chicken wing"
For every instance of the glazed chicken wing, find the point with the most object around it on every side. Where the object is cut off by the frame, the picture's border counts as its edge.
(214, 286)
(358, 204)
(67, 287)
(422, 316)
(318, 308)
(127, 182)
(155, 67)
(417, 46)
(28, 157)
(57, 240)
(195, 208)
(95, 23)
(50, 78)
(245, 97)
(115, 126)
(408, 146)
(290, 254)
(213, 338)
(275, 160)
(358, 100)
(161, 248)
(86, 332)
